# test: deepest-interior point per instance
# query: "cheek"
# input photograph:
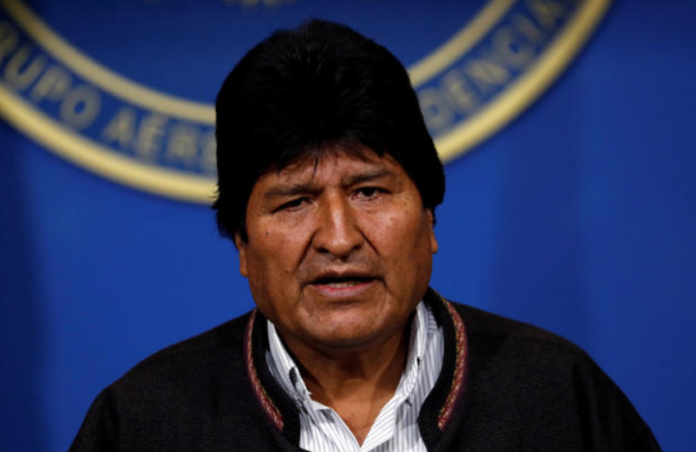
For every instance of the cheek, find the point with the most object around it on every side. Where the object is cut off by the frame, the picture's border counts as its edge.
(404, 242)
(406, 228)
(278, 251)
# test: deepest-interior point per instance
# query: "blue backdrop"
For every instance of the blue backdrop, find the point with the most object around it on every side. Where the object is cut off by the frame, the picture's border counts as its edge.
(578, 216)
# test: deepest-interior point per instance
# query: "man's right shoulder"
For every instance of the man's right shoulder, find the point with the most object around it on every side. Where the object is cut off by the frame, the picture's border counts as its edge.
(198, 361)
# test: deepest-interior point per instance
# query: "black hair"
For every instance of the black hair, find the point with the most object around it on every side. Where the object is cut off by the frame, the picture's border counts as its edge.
(302, 89)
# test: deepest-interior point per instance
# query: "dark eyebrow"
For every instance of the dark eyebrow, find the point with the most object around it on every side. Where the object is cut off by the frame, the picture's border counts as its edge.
(380, 173)
(290, 190)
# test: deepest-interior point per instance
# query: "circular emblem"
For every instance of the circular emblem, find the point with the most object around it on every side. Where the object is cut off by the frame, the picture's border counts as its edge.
(124, 88)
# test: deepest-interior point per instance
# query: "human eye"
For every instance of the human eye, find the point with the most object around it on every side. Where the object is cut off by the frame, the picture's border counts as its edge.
(292, 205)
(369, 192)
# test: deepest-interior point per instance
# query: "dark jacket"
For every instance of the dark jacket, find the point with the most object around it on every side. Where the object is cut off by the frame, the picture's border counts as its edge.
(504, 386)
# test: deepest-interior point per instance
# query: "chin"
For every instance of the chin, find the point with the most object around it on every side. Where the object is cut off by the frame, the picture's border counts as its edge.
(347, 338)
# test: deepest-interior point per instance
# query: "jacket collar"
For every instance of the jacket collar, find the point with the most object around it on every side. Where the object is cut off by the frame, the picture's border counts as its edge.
(437, 412)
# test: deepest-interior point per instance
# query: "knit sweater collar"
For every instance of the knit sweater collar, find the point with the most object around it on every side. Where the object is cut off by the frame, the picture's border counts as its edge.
(438, 411)
(285, 369)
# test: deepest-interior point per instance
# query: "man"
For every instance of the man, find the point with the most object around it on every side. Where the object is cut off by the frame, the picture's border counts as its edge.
(328, 183)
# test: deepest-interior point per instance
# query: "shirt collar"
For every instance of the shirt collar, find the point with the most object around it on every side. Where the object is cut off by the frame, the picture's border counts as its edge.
(286, 372)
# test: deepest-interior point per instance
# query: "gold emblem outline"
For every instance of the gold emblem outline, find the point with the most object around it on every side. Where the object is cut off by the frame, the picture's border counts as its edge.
(154, 100)
(184, 186)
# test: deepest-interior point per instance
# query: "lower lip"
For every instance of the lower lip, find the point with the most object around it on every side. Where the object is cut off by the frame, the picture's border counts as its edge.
(343, 292)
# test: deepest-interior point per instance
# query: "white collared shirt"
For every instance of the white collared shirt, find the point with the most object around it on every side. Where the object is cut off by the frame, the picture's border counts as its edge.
(396, 426)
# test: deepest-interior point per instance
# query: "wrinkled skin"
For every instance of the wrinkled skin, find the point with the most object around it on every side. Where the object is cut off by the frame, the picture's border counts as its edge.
(339, 250)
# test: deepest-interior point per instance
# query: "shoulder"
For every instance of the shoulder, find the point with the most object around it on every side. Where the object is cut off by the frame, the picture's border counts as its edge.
(508, 358)
(522, 375)
(200, 368)
(164, 401)
(503, 343)
(518, 354)
(495, 333)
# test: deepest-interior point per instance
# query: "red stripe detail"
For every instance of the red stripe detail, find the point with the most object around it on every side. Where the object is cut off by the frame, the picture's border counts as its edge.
(266, 402)
(458, 381)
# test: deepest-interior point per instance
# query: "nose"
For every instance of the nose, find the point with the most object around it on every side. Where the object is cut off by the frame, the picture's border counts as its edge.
(338, 231)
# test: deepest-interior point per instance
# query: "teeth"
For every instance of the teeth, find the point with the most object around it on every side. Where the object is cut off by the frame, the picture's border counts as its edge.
(341, 284)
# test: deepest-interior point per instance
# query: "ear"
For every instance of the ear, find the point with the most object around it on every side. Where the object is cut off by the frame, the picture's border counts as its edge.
(241, 247)
(433, 239)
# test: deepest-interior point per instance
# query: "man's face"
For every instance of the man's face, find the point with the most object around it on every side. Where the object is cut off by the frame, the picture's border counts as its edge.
(339, 249)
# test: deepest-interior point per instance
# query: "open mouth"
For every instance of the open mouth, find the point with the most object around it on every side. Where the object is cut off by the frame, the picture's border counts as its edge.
(340, 283)
(332, 285)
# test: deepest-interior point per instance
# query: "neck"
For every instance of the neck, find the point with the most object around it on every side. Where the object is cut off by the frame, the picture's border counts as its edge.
(356, 383)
